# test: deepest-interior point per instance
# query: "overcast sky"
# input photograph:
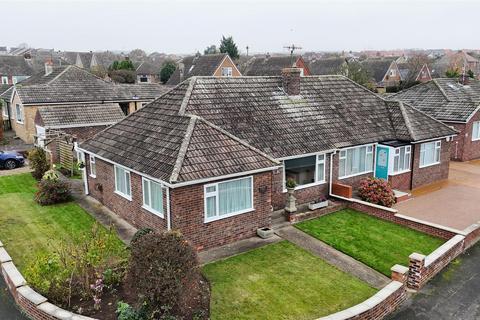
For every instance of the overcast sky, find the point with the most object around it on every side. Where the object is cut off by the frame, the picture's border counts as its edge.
(265, 26)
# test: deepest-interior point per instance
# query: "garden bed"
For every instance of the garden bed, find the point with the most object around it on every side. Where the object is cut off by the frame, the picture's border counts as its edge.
(377, 243)
(280, 281)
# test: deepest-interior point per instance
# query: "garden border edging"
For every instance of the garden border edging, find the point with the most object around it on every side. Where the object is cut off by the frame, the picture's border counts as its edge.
(28, 300)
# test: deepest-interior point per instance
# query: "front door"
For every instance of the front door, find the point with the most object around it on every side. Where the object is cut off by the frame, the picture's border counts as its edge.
(381, 168)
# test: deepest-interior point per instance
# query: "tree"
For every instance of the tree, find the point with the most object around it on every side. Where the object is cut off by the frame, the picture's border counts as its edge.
(125, 64)
(123, 76)
(168, 68)
(99, 71)
(471, 74)
(210, 49)
(452, 73)
(353, 70)
(227, 45)
(137, 55)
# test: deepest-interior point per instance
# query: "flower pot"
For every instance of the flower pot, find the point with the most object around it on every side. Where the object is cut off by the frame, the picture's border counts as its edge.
(265, 233)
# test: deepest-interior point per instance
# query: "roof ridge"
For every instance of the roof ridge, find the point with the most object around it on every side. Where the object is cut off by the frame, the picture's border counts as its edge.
(58, 75)
(406, 119)
(441, 89)
(427, 115)
(186, 98)
(183, 150)
(234, 137)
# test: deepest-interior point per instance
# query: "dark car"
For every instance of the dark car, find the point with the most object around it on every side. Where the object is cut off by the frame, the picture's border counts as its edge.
(11, 160)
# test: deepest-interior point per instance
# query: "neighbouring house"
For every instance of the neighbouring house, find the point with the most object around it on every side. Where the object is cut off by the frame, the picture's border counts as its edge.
(5, 98)
(217, 65)
(210, 157)
(401, 71)
(148, 72)
(454, 102)
(377, 69)
(71, 85)
(328, 66)
(14, 69)
(79, 121)
(273, 66)
(459, 61)
(85, 60)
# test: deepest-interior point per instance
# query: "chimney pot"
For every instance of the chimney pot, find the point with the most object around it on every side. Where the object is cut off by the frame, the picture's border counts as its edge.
(48, 67)
(291, 78)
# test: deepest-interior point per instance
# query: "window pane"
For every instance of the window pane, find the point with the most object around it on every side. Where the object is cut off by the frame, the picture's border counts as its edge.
(146, 193)
(320, 172)
(234, 196)
(119, 179)
(402, 158)
(396, 164)
(156, 196)
(127, 183)
(210, 189)
(211, 207)
(302, 170)
(342, 167)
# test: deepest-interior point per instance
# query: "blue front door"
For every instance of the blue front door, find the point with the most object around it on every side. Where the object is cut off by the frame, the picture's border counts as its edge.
(381, 169)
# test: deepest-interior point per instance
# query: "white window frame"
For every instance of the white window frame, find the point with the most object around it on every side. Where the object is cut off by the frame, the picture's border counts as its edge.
(5, 109)
(476, 131)
(393, 72)
(396, 154)
(217, 200)
(438, 146)
(229, 71)
(344, 157)
(14, 80)
(126, 172)
(19, 110)
(317, 162)
(93, 167)
(146, 206)
(4, 80)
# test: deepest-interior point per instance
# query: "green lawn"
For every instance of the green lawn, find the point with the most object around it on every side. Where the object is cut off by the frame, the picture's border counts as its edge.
(28, 230)
(377, 243)
(280, 281)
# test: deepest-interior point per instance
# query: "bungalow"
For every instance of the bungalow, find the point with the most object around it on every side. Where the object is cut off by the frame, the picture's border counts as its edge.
(211, 157)
(14, 69)
(71, 85)
(217, 65)
(454, 102)
(273, 66)
(148, 72)
(400, 71)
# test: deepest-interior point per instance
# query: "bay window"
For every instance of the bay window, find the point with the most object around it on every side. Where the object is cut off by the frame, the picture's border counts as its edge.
(476, 131)
(355, 161)
(152, 196)
(306, 170)
(228, 198)
(401, 159)
(430, 153)
(122, 183)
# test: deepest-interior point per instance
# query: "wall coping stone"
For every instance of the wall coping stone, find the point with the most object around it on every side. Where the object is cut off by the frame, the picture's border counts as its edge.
(4, 256)
(470, 228)
(444, 248)
(365, 203)
(431, 224)
(31, 295)
(55, 311)
(398, 268)
(417, 256)
(366, 305)
(15, 276)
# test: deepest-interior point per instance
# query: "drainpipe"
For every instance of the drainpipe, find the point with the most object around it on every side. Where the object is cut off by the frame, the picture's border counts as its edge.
(412, 173)
(169, 224)
(331, 173)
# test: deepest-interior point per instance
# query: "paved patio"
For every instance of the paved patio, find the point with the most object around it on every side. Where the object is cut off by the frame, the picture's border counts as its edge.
(452, 203)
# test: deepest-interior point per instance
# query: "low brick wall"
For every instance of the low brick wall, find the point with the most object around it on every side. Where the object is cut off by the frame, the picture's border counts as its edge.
(32, 303)
(332, 207)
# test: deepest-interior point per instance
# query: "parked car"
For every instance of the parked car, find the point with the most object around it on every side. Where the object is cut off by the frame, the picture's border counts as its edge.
(11, 160)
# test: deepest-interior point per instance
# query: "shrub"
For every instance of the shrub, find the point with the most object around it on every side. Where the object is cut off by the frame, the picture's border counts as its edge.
(51, 191)
(140, 233)
(38, 162)
(164, 274)
(377, 191)
(291, 183)
(127, 312)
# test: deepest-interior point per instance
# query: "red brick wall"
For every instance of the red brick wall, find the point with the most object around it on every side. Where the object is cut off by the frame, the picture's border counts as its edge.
(187, 205)
(131, 211)
(427, 175)
(401, 181)
(187, 208)
(463, 148)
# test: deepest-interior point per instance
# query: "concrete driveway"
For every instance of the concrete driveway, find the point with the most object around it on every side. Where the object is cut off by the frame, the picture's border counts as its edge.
(453, 203)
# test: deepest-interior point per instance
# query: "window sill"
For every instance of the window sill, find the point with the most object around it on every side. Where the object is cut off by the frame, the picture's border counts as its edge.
(354, 175)
(129, 198)
(429, 165)
(399, 172)
(19, 122)
(476, 139)
(207, 220)
(304, 186)
(92, 176)
(155, 212)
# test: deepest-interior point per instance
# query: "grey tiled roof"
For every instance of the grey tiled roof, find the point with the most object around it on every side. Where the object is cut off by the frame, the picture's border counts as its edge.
(80, 115)
(444, 98)
(15, 66)
(147, 67)
(6, 94)
(72, 84)
(326, 66)
(377, 68)
(204, 65)
(268, 66)
(255, 121)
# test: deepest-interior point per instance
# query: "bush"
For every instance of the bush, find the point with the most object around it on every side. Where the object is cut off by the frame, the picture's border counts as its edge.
(127, 312)
(51, 191)
(38, 162)
(140, 233)
(164, 274)
(377, 191)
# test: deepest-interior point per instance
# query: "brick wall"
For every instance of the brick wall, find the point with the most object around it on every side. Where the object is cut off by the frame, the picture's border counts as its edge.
(187, 208)
(187, 205)
(401, 181)
(427, 175)
(463, 148)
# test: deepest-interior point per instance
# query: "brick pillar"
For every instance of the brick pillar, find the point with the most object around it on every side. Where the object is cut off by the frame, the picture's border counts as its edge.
(416, 271)
(399, 273)
(291, 81)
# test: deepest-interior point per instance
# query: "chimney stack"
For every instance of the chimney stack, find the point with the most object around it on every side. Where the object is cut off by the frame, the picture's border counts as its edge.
(181, 68)
(48, 67)
(464, 79)
(291, 81)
